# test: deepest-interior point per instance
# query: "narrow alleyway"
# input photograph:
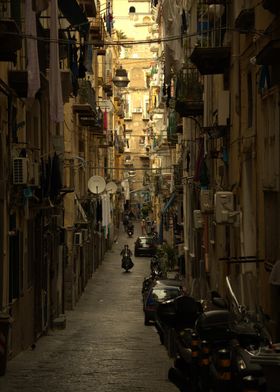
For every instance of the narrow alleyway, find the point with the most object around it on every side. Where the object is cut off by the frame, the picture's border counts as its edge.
(105, 347)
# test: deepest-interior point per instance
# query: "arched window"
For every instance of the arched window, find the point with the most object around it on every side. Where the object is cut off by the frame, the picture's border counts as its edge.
(132, 10)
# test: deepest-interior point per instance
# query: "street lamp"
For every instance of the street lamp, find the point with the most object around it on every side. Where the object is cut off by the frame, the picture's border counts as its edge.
(120, 79)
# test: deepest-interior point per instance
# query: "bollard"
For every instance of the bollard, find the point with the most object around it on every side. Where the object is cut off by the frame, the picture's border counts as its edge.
(5, 323)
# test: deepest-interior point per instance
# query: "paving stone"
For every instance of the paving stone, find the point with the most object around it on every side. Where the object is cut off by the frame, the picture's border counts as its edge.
(105, 346)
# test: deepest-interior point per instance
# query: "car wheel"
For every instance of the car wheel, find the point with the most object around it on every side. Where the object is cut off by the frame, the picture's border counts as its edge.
(146, 320)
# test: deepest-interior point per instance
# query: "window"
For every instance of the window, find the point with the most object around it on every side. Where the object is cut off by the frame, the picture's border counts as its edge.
(250, 100)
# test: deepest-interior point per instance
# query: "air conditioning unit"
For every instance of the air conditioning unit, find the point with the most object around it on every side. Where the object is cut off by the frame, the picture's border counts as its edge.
(224, 205)
(206, 200)
(20, 171)
(198, 219)
(78, 239)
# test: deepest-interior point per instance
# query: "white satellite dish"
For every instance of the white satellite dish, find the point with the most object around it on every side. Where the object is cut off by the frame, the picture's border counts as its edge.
(111, 187)
(96, 184)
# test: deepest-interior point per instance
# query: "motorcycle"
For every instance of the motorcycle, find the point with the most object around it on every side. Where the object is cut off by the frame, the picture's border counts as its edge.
(213, 352)
(130, 231)
(127, 262)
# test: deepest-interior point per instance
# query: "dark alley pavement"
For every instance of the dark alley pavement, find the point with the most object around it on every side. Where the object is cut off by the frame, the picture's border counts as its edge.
(105, 346)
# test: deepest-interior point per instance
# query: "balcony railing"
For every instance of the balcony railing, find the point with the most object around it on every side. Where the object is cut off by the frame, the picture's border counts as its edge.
(87, 94)
(10, 40)
(90, 7)
(189, 90)
(172, 136)
(244, 16)
(272, 5)
(97, 32)
(211, 52)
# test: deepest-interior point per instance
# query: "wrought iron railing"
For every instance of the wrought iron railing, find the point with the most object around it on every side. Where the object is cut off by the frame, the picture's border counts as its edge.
(189, 85)
(212, 24)
(87, 94)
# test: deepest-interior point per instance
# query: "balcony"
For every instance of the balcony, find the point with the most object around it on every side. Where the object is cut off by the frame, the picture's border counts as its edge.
(75, 15)
(44, 46)
(108, 90)
(87, 94)
(211, 53)
(172, 136)
(270, 54)
(18, 81)
(96, 32)
(271, 5)
(10, 40)
(89, 7)
(245, 19)
(177, 177)
(189, 90)
(86, 108)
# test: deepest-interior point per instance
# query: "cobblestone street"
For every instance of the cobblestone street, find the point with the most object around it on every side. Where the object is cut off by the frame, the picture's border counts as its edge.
(105, 346)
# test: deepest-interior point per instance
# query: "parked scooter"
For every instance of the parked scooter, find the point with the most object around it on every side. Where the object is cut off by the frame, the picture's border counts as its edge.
(127, 262)
(214, 354)
(156, 268)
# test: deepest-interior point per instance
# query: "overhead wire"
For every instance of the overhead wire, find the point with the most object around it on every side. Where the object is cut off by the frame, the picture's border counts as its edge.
(127, 42)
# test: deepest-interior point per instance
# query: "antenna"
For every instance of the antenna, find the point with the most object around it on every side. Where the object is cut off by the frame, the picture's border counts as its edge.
(96, 184)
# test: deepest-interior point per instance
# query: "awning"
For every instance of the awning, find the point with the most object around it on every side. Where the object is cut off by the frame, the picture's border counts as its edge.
(75, 15)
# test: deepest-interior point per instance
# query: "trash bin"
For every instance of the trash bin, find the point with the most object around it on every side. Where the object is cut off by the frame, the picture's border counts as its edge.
(5, 323)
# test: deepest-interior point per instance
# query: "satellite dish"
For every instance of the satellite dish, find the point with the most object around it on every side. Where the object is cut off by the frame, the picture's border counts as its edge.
(111, 187)
(96, 184)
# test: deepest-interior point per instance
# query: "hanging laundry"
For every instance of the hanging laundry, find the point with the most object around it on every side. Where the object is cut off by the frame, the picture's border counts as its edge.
(82, 68)
(73, 64)
(55, 89)
(33, 69)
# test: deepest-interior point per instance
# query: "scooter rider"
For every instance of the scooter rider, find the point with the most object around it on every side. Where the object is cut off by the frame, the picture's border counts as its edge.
(127, 262)
(126, 252)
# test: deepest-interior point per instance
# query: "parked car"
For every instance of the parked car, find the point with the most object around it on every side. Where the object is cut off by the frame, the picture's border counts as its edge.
(153, 280)
(145, 246)
(161, 291)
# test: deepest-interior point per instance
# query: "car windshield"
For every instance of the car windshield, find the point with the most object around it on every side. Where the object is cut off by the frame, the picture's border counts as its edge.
(145, 241)
(163, 294)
